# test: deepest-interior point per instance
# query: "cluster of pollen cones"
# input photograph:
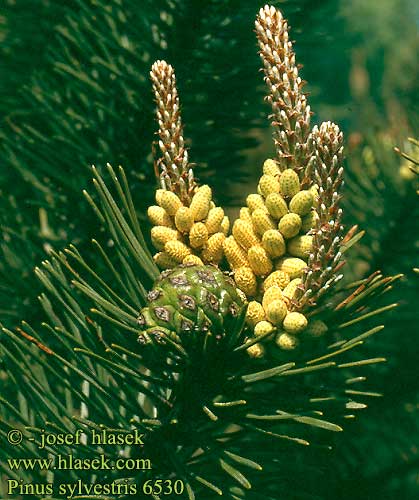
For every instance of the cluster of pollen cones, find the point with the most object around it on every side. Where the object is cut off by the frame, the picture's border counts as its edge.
(284, 249)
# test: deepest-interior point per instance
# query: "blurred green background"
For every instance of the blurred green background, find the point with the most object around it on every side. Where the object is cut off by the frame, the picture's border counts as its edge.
(75, 91)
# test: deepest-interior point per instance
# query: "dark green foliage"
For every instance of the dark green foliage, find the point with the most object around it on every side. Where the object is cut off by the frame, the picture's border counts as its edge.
(222, 405)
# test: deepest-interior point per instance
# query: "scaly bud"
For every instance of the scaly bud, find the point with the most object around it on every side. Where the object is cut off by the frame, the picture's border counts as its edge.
(172, 165)
(290, 225)
(290, 116)
(259, 261)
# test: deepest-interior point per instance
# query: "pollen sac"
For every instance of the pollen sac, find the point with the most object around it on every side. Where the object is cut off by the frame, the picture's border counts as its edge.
(244, 234)
(184, 219)
(276, 311)
(225, 225)
(200, 204)
(268, 184)
(262, 221)
(273, 242)
(293, 266)
(213, 250)
(214, 219)
(164, 261)
(170, 202)
(160, 235)
(272, 293)
(263, 328)
(289, 183)
(158, 216)
(300, 246)
(277, 278)
(301, 203)
(286, 342)
(294, 323)
(259, 261)
(270, 167)
(290, 225)
(276, 205)
(291, 288)
(316, 328)
(256, 351)
(235, 254)
(246, 280)
(245, 214)
(255, 313)
(177, 250)
(198, 235)
(255, 201)
(192, 260)
(309, 221)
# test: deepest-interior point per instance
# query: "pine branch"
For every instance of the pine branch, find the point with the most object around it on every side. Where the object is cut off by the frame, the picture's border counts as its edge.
(291, 113)
(324, 262)
(173, 166)
(93, 321)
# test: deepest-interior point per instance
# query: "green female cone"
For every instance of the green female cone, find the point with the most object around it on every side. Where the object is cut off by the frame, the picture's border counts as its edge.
(189, 301)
